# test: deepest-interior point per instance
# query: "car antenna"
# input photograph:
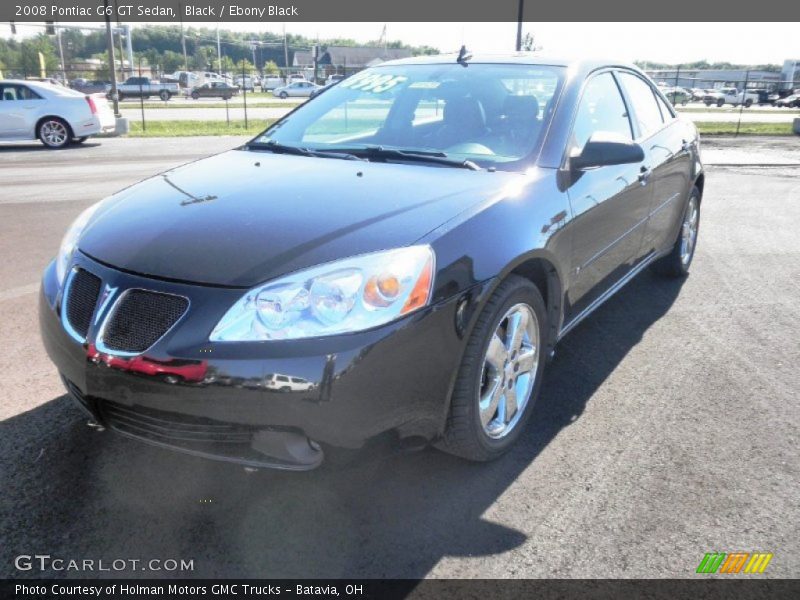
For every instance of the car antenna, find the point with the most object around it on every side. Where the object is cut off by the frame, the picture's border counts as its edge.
(463, 56)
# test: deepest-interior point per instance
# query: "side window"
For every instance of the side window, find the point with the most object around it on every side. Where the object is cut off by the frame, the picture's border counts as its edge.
(666, 112)
(17, 92)
(645, 107)
(601, 110)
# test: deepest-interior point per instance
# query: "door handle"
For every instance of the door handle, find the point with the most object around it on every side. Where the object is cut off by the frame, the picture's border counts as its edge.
(644, 174)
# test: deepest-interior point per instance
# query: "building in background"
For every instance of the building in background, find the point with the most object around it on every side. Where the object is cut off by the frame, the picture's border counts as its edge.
(718, 78)
(346, 59)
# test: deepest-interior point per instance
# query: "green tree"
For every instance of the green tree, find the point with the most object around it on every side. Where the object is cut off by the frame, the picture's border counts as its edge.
(271, 68)
(29, 56)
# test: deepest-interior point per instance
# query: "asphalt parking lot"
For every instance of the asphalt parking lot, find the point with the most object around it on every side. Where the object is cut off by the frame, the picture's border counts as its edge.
(669, 424)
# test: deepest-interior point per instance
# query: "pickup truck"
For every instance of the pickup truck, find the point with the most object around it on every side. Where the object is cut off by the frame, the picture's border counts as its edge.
(134, 87)
(730, 96)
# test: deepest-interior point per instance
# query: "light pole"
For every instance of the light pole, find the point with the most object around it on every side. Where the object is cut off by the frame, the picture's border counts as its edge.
(519, 24)
(111, 62)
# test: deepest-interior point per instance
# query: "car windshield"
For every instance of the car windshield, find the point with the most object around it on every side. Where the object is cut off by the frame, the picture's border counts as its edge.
(493, 115)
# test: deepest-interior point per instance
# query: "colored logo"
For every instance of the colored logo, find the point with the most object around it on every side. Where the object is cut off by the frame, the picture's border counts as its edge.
(735, 562)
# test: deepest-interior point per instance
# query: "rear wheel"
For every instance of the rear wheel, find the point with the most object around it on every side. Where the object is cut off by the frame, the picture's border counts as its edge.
(500, 374)
(54, 133)
(164, 95)
(677, 262)
(284, 95)
(720, 102)
(748, 103)
(195, 95)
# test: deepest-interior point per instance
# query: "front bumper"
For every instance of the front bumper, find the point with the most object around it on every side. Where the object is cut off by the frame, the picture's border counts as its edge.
(222, 400)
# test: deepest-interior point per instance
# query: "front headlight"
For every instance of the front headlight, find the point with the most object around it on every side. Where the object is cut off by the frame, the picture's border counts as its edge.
(340, 297)
(70, 242)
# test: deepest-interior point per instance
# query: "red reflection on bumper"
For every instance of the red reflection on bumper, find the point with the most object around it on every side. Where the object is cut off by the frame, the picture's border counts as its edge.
(186, 370)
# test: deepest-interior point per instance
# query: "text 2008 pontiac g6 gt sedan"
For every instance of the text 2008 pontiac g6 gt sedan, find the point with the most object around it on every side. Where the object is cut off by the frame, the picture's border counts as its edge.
(398, 256)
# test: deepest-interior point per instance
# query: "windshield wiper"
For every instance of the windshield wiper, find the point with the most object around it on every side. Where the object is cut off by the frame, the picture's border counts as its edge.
(278, 148)
(435, 157)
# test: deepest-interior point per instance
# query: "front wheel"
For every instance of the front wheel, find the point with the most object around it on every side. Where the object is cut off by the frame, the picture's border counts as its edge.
(720, 102)
(748, 103)
(195, 95)
(500, 374)
(54, 133)
(164, 95)
(284, 95)
(677, 262)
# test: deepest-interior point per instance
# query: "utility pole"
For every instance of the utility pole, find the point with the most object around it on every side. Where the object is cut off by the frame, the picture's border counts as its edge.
(111, 62)
(122, 69)
(519, 24)
(253, 48)
(183, 41)
(219, 53)
(61, 53)
(315, 58)
(285, 53)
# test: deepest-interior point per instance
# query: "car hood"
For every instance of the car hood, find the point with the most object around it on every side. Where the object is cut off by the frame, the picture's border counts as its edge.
(240, 218)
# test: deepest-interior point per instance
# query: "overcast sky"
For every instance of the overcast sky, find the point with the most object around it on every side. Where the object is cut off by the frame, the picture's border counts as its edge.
(748, 43)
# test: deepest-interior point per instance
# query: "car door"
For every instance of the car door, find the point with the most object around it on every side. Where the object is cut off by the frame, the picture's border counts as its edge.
(609, 204)
(667, 143)
(19, 110)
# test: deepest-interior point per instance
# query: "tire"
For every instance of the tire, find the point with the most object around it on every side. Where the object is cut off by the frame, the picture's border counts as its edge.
(677, 263)
(748, 103)
(465, 433)
(283, 95)
(708, 103)
(120, 96)
(164, 95)
(195, 95)
(720, 102)
(54, 133)
(80, 140)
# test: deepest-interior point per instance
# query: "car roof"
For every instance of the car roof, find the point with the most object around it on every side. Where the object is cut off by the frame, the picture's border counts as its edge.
(524, 58)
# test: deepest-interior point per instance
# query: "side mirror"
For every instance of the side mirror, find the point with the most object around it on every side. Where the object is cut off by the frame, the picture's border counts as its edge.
(606, 149)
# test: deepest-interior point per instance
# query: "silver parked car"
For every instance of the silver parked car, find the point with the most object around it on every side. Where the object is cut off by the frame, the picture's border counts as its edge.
(56, 115)
(302, 89)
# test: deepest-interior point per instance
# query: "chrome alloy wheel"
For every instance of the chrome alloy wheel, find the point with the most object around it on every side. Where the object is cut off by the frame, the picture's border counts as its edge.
(689, 231)
(509, 371)
(54, 133)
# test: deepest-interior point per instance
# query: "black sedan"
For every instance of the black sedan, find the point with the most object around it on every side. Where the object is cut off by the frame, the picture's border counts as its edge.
(399, 256)
(215, 89)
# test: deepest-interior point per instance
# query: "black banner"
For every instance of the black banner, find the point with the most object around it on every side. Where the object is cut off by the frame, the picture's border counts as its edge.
(283, 11)
(439, 589)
